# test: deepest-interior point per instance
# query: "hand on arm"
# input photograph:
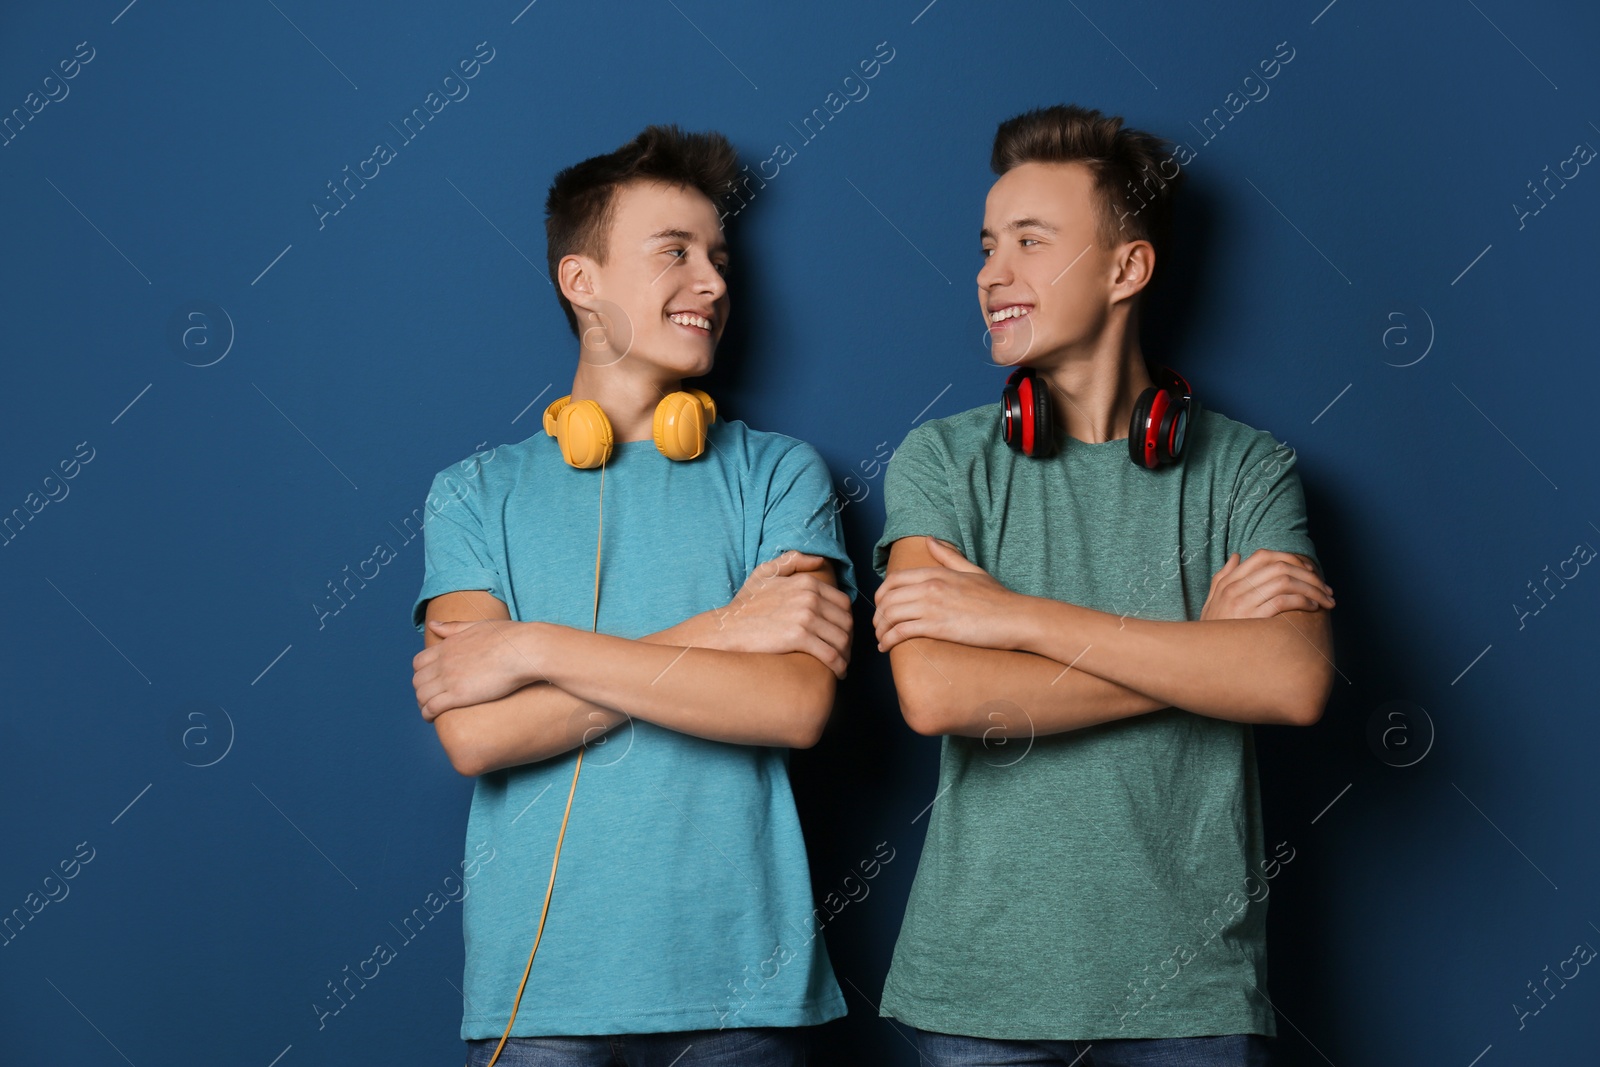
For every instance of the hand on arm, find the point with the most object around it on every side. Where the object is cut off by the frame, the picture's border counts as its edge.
(1245, 663)
(785, 636)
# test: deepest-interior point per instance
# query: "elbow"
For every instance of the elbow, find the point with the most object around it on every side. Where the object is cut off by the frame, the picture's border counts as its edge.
(1307, 706)
(921, 714)
(810, 718)
(464, 756)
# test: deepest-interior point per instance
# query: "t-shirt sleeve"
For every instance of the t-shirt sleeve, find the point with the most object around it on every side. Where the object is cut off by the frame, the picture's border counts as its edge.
(456, 553)
(1269, 507)
(916, 496)
(800, 513)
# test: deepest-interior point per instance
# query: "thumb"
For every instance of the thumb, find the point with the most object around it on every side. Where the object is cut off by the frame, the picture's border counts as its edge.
(448, 627)
(950, 556)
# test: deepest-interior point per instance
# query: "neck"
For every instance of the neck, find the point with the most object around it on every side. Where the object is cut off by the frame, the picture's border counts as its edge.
(626, 390)
(1093, 390)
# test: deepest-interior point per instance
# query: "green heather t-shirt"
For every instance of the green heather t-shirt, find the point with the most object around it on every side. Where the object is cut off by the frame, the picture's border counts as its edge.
(1112, 881)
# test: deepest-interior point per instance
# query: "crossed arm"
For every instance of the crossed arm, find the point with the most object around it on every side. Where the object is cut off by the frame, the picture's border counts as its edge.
(968, 654)
(503, 693)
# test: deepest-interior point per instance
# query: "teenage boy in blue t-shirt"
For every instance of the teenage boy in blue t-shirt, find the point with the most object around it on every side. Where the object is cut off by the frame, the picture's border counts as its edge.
(683, 613)
(1092, 599)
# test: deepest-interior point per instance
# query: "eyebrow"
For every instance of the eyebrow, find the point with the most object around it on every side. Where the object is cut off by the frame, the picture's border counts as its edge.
(1029, 223)
(685, 235)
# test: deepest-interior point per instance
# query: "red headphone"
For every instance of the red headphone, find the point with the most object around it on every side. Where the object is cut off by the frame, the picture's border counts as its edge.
(1155, 432)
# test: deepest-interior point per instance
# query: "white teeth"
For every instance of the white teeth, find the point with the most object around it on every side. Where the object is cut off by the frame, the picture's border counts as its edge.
(1013, 312)
(685, 319)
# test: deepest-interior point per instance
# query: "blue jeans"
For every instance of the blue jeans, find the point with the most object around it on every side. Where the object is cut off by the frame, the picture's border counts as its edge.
(753, 1046)
(1233, 1050)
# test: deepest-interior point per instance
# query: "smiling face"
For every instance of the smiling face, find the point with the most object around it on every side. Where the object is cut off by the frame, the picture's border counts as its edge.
(661, 295)
(1047, 287)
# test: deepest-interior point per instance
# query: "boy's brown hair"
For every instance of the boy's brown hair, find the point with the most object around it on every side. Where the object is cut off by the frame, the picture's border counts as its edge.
(1136, 175)
(579, 209)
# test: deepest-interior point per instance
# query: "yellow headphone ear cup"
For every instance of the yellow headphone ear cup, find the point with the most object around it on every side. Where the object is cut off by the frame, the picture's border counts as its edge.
(551, 410)
(680, 426)
(706, 402)
(584, 434)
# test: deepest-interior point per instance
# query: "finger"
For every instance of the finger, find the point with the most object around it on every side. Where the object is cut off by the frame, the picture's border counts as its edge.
(835, 637)
(949, 555)
(825, 652)
(903, 631)
(1297, 572)
(1273, 590)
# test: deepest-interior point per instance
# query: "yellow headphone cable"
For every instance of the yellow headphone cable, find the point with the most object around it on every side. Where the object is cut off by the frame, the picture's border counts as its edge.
(550, 889)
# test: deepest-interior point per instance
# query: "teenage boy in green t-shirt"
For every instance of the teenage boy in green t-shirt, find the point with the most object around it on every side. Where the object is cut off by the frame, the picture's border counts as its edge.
(1092, 599)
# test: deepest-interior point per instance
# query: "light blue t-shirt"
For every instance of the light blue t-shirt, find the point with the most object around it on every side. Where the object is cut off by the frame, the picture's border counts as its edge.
(683, 897)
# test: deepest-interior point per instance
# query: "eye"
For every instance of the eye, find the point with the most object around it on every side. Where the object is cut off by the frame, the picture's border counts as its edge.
(985, 253)
(678, 252)
(1028, 241)
(722, 269)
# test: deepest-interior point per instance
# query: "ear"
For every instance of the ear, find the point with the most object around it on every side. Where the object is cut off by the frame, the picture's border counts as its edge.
(575, 274)
(1135, 267)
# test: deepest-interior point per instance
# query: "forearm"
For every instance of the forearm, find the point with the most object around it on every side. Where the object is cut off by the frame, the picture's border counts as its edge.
(671, 680)
(1267, 670)
(536, 722)
(950, 688)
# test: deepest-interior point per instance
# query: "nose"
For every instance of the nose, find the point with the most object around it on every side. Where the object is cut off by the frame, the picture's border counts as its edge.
(709, 280)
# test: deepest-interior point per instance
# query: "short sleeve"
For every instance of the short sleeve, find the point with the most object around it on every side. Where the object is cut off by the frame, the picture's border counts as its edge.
(800, 513)
(916, 496)
(456, 553)
(1269, 509)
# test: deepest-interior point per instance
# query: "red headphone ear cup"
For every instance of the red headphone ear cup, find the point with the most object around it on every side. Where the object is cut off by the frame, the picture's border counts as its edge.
(1044, 441)
(1137, 431)
(1011, 414)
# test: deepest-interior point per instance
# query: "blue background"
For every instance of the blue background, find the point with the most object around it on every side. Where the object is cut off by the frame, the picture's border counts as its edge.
(262, 798)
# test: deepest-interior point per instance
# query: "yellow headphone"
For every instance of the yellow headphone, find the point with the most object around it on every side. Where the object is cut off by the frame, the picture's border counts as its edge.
(584, 432)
